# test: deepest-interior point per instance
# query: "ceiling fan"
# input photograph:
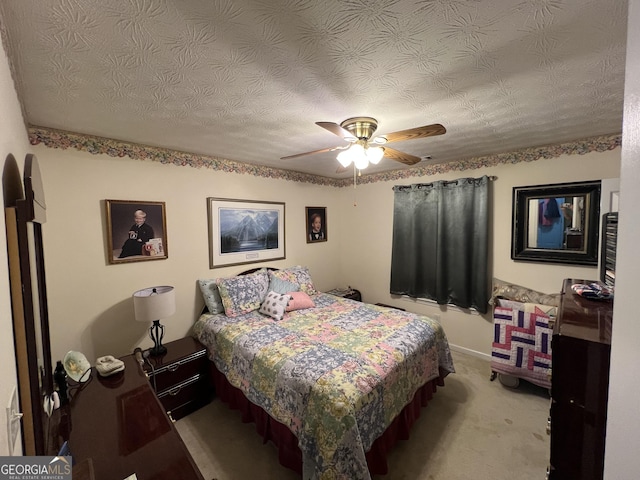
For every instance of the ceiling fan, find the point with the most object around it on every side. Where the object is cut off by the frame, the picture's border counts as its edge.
(363, 149)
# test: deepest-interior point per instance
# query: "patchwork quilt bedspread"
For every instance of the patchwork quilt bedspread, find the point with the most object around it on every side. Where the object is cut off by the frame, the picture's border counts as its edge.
(336, 374)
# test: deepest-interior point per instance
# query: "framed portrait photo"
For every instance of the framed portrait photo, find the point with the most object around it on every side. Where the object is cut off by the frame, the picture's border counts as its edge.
(245, 231)
(316, 230)
(136, 231)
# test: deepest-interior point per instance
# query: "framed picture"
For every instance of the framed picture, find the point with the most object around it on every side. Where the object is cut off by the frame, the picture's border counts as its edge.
(136, 231)
(316, 224)
(244, 231)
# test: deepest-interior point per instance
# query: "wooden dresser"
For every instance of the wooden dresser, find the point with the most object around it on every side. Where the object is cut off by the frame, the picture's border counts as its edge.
(579, 386)
(115, 426)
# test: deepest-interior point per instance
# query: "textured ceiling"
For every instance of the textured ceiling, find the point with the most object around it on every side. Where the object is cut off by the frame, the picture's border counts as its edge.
(246, 80)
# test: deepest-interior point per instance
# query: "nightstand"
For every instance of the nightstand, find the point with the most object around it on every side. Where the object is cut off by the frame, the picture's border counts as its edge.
(180, 377)
(348, 293)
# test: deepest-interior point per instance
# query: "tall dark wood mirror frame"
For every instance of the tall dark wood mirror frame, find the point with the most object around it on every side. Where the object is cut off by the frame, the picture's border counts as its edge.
(577, 202)
(24, 219)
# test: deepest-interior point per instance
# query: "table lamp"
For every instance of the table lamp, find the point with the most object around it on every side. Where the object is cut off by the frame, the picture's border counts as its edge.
(151, 304)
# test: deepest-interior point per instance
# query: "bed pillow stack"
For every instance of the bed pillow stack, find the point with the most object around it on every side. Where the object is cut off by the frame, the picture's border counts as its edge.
(244, 293)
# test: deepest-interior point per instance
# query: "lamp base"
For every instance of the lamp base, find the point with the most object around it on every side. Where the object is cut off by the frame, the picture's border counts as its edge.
(157, 350)
(156, 332)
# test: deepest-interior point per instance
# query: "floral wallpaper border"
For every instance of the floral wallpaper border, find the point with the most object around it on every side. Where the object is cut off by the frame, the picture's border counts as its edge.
(115, 148)
(578, 147)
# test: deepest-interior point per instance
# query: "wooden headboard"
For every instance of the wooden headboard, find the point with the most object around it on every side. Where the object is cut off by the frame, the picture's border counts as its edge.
(253, 270)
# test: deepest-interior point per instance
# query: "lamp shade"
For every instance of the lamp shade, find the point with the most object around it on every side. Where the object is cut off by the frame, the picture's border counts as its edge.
(154, 303)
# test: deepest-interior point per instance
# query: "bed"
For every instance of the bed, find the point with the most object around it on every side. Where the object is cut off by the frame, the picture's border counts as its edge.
(338, 374)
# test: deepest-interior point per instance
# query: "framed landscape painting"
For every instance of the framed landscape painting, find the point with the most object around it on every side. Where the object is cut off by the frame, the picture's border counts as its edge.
(136, 231)
(244, 231)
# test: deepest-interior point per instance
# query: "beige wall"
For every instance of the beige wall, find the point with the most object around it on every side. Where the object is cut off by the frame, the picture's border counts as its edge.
(367, 233)
(90, 302)
(13, 141)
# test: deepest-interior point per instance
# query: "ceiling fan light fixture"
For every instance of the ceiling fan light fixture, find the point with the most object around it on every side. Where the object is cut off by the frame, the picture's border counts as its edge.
(364, 149)
(360, 127)
(361, 162)
(356, 150)
(374, 154)
(357, 154)
(344, 158)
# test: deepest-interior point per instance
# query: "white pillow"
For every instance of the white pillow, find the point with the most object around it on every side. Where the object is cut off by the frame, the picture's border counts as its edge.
(275, 305)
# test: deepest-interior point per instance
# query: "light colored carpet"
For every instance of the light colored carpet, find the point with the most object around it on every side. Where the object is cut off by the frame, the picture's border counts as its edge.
(472, 429)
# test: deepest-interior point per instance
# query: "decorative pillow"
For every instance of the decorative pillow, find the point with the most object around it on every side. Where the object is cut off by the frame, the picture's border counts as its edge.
(279, 285)
(512, 291)
(298, 275)
(274, 305)
(211, 295)
(244, 293)
(299, 300)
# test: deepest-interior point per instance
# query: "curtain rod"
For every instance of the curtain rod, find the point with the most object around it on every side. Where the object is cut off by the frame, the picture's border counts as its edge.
(445, 182)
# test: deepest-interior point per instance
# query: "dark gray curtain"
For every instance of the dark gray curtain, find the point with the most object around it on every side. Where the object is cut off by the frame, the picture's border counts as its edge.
(440, 242)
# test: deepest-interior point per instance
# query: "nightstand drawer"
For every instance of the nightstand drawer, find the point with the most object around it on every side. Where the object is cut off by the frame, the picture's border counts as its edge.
(175, 373)
(192, 389)
(180, 378)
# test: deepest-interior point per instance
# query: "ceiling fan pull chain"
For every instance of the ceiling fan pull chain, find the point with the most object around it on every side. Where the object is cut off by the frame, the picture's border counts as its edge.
(355, 200)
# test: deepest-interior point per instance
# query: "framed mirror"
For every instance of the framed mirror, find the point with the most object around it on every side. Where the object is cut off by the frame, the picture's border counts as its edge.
(23, 219)
(556, 223)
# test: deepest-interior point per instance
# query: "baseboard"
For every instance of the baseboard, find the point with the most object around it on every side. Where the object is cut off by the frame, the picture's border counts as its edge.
(468, 351)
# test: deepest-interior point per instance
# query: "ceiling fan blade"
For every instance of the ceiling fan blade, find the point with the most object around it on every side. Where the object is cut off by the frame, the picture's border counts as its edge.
(337, 130)
(418, 132)
(329, 149)
(341, 169)
(401, 157)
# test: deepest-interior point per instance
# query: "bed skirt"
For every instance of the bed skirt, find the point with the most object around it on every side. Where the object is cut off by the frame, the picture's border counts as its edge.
(289, 453)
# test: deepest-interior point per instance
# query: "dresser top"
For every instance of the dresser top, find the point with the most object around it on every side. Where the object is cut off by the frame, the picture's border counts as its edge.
(583, 318)
(118, 424)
